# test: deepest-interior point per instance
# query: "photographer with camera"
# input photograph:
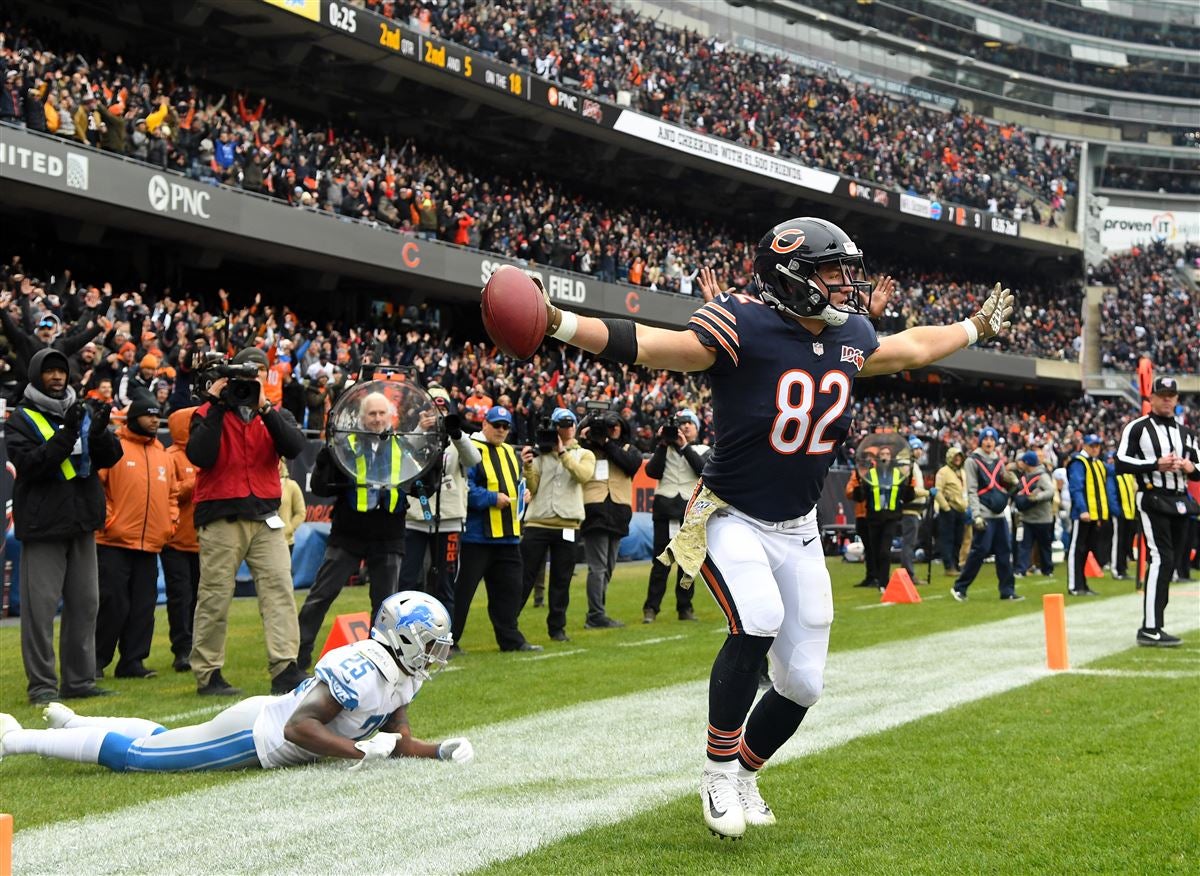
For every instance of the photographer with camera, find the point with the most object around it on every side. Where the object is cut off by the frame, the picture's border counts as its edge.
(607, 504)
(676, 464)
(58, 445)
(367, 522)
(235, 443)
(437, 509)
(555, 478)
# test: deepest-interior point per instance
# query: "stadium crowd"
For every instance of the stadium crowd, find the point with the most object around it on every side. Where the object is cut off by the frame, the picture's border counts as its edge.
(957, 32)
(837, 125)
(766, 103)
(1151, 308)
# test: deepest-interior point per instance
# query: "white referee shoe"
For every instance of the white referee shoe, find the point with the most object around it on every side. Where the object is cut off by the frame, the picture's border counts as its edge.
(722, 804)
(57, 715)
(7, 725)
(755, 808)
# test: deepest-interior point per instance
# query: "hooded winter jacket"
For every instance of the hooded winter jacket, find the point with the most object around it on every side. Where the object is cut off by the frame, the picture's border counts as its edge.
(47, 504)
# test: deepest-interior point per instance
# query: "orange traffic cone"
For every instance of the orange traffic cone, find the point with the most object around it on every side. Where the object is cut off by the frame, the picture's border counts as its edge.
(900, 588)
(347, 628)
(1091, 569)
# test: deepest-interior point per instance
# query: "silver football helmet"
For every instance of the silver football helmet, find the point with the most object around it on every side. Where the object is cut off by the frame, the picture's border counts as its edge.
(415, 627)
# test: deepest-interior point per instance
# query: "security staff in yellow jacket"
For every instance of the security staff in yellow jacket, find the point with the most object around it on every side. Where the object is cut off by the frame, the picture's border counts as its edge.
(1122, 505)
(884, 487)
(367, 521)
(1087, 480)
(491, 549)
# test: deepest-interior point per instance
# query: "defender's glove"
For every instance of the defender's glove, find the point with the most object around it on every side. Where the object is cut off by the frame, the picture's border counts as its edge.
(996, 314)
(980, 524)
(456, 750)
(378, 747)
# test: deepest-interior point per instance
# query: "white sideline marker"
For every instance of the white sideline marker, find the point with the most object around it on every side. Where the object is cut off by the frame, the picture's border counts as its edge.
(654, 641)
(547, 776)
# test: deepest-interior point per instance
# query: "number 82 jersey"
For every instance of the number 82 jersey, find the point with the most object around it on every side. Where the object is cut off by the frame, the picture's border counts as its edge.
(781, 402)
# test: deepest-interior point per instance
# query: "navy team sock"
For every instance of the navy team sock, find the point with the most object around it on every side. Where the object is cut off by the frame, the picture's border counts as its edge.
(731, 690)
(771, 724)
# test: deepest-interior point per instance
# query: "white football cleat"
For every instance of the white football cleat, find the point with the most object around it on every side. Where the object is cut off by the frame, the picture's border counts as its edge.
(722, 804)
(758, 813)
(57, 715)
(7, 725)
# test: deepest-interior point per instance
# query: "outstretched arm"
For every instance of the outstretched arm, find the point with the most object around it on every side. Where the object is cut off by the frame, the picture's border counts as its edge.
(925, 344)
(656, 347)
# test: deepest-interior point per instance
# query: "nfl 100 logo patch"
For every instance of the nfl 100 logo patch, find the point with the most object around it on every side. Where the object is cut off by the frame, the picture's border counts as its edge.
(853, 354)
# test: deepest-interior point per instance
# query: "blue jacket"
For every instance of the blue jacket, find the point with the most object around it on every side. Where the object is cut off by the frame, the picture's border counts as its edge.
(480, 501)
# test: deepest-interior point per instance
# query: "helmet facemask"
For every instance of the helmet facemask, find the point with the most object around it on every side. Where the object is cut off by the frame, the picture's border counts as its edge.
(797, 289)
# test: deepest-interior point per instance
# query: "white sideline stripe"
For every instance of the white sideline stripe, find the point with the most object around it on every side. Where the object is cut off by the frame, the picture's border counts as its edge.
(555, 654)
(1139, 673)
(649, 641)
(167, 720)
(547, 776)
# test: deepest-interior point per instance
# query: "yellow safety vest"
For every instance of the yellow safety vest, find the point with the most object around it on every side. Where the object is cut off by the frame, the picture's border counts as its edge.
(363, 493)
(47, 432)
(877, 498)
(1127, 490)
(503, 473)
(1094, 475)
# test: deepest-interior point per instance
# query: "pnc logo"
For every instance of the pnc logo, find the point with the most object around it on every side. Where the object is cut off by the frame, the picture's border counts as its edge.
(160, 193)
(563, 100)
(165, 195)
(787, 240)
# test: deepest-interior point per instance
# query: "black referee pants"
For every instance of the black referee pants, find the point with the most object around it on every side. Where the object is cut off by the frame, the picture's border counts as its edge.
(1164, 538)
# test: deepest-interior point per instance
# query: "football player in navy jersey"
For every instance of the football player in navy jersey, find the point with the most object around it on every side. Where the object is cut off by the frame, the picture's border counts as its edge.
(782, 406)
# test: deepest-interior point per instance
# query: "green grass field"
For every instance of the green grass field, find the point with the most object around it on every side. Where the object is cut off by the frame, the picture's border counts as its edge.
(1072, 773)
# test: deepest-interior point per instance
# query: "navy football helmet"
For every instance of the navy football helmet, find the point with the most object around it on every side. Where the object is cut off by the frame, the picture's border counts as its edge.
(785, 267)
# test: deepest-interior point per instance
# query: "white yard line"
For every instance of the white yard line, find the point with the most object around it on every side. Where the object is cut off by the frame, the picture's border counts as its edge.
(553, 655)
(654, 641)
(183, 717)
(550, 775)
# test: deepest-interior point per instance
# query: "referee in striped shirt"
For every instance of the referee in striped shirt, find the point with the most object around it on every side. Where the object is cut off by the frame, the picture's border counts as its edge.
(1162, 455)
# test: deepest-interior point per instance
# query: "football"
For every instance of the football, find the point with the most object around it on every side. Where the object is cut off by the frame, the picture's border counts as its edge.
(514, 312)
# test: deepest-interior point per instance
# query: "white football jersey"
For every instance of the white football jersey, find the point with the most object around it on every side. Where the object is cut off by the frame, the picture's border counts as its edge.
(363, 677)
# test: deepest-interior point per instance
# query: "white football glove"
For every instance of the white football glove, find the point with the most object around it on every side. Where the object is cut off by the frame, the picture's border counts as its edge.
(378, 747)
(996, 313)
(457, 750)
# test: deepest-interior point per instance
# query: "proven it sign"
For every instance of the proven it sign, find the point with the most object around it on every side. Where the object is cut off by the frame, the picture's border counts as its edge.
(1125, 227)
